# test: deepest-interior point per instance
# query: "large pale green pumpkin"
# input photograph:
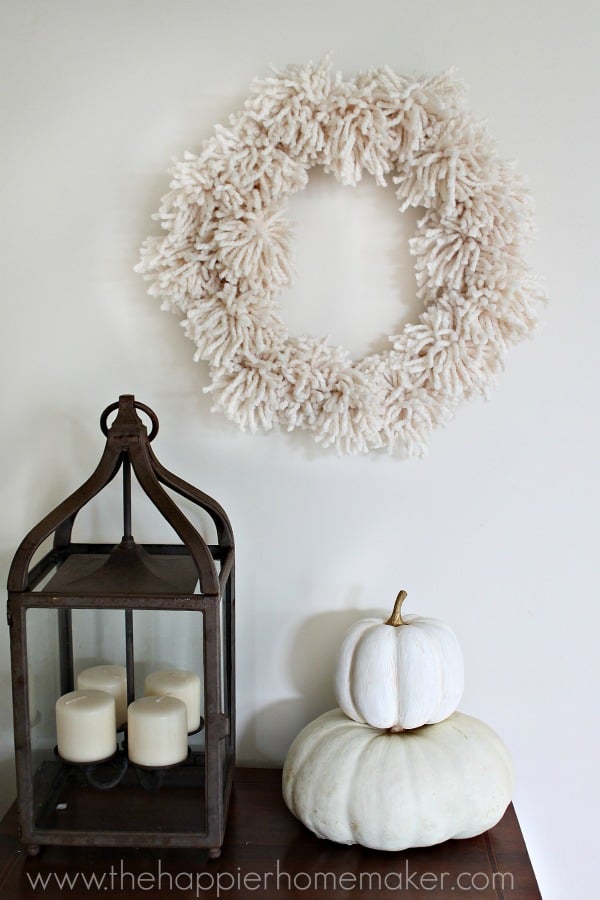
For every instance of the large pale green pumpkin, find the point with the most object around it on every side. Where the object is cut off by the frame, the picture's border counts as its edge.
(358, 785)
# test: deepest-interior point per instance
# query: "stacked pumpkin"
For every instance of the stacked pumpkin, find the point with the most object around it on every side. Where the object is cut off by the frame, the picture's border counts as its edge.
(396, 765)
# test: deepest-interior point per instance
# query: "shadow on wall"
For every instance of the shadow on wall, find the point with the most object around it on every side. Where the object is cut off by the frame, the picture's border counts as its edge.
(268, 734)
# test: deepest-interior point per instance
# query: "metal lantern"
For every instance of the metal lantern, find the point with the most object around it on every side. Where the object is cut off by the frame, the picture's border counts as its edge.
(56, 606)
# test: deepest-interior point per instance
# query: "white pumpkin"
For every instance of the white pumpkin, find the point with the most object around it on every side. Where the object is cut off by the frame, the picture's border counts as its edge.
(354, 784)
(399, 673)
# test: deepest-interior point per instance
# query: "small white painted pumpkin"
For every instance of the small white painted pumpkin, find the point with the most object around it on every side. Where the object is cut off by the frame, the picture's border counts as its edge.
(355, 784)
(399, 673)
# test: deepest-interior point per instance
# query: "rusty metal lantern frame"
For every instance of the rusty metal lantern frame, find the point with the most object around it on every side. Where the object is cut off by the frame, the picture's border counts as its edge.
(129, 577)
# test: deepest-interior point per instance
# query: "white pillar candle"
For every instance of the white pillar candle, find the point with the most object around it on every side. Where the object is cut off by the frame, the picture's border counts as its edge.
(157, 731)
(86, 726)
(181, 684)
(113, 680)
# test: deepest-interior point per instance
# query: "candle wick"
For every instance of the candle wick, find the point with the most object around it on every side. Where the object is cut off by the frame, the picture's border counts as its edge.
(75, 699)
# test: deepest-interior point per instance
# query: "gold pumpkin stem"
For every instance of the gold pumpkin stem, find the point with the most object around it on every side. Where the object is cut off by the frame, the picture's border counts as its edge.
(396, 616)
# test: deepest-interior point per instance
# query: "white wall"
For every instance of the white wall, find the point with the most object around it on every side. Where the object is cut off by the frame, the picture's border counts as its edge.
(496, 531)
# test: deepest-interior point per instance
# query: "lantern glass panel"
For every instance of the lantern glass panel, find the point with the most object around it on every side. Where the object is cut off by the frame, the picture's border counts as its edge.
(44, 687)
(98, 638)
(164, 641)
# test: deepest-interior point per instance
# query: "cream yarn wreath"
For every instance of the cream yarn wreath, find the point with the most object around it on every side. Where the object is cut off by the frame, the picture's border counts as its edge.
(226, 254)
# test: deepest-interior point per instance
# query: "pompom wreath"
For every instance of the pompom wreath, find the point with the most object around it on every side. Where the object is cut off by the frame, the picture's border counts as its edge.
(226, 254)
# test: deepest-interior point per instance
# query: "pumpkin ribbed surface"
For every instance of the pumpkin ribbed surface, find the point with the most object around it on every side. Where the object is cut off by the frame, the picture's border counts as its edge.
(354, 784)
(407, 676)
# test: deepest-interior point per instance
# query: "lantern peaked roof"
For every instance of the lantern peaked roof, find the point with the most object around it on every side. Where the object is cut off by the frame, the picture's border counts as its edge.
(128, 568)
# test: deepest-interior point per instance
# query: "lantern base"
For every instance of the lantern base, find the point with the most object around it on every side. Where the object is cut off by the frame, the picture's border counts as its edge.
(73, 805)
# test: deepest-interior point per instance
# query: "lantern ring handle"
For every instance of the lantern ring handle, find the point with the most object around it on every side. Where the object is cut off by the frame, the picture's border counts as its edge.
(142, 406)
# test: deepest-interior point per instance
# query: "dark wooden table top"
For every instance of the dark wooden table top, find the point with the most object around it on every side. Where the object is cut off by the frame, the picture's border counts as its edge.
(267, 854)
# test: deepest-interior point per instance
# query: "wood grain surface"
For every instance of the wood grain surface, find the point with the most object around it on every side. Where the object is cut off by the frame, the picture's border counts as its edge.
(269, 854)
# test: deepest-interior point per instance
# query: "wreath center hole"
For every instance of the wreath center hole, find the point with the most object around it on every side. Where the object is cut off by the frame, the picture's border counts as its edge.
(355, 279)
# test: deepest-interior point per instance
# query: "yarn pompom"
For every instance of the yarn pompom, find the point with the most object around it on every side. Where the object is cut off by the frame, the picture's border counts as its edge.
(226, 253)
